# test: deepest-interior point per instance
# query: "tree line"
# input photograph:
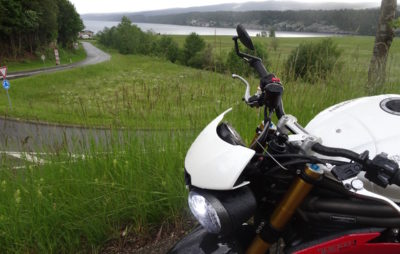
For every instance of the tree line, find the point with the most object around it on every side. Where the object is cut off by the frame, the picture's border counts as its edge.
(28, 26)
(127, 38)
(362, 22)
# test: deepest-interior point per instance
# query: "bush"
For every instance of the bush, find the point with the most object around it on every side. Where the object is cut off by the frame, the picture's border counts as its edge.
(165, 47)
(312, 61)
(172, 53)
(237, 65)
(203, 59)
(193, 45)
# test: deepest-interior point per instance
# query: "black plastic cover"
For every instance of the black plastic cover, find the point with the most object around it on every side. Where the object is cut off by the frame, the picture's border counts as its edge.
(199, 241)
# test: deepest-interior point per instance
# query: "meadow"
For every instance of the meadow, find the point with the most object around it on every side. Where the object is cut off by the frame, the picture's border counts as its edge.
(145, 92)
(135, 183)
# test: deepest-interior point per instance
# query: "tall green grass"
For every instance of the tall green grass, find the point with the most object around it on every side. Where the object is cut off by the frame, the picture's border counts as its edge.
(71, 205)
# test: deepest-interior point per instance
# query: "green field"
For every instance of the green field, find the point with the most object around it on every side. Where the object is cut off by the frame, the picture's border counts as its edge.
(144, 92)
(32, 63)
(71, 205)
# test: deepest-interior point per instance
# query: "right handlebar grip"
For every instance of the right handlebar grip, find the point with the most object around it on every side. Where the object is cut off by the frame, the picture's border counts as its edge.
(396, 178)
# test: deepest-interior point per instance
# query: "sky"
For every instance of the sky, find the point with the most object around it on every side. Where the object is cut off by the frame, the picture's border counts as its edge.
(107, 6)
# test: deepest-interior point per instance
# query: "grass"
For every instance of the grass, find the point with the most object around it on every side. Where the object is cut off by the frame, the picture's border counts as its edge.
(32, 63)
(144, 92)
(72, 205)
(75, 205)
(131, 91)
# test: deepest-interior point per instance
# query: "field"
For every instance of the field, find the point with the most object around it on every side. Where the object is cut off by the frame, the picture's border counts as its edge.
(134, 184)
(143, 92)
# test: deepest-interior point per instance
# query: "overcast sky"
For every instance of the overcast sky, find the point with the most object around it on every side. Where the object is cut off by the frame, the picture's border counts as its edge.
(104, 6)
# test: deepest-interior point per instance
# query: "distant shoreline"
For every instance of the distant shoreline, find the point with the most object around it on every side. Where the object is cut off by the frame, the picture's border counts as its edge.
(170, 29)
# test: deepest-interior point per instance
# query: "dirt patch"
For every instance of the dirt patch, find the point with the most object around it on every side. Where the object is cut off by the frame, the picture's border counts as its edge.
(157, 242)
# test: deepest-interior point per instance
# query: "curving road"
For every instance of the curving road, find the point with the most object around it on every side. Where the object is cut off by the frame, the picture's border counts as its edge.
(94, 56)
(19, 136)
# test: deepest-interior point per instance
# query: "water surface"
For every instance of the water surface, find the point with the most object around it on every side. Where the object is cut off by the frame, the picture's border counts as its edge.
(97, 26)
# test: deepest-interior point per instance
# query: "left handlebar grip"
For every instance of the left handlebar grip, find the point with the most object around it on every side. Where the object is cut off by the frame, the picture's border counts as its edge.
(259, 67)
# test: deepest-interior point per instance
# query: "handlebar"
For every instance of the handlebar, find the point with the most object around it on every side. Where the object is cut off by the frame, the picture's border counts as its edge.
(380, 170)
(259, 67)
(257, 99)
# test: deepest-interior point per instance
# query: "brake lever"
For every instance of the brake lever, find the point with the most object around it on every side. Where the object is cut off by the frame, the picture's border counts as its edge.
(356, 186)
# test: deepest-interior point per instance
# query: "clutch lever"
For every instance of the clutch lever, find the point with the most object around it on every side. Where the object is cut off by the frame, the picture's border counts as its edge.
(247, 92)
(252, 101)
(356, 186)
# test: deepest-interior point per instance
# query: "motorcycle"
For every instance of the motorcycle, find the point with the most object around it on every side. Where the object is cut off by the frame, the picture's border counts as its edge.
(329, 187)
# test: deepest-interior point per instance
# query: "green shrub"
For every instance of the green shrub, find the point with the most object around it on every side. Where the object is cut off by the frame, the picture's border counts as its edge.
(203, 59)
(312, 61)
(165, 47)
(193, 45)
(172, 53)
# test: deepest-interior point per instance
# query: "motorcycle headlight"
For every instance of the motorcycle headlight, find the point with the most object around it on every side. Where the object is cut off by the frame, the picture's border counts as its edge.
(221, 212)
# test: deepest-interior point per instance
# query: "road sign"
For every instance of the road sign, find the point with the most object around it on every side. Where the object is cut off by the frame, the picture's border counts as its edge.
(6, 84)
(3, 71)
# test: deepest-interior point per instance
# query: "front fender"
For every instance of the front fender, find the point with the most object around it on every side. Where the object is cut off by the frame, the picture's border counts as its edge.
(199, 241)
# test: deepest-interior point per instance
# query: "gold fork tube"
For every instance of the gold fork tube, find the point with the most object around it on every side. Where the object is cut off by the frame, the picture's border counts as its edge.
(286, 208)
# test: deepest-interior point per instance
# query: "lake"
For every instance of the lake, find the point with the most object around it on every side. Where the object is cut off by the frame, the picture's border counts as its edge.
(97, 26)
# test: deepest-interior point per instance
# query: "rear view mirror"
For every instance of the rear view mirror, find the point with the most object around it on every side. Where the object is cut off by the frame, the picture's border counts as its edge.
(244, 37)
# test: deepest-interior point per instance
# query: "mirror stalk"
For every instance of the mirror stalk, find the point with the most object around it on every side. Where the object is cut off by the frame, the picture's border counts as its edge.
(249, 58)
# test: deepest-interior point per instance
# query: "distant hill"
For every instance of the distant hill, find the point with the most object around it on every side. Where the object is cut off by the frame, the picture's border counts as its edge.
(247, 6)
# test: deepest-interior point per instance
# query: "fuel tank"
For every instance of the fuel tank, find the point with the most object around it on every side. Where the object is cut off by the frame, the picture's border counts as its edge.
(368, 123)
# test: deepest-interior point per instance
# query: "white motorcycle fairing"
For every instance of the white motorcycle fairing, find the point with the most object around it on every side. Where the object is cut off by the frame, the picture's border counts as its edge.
(215, 164)
(367, 123)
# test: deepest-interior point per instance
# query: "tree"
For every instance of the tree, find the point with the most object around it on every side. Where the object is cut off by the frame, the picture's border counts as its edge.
(193, 44)
(383, 41)
(69, 23)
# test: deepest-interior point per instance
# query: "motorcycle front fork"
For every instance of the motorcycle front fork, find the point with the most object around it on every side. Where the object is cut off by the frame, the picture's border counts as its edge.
(299, 189)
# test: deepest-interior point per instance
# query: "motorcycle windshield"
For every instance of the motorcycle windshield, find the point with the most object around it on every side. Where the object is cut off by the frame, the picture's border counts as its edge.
(213, 163)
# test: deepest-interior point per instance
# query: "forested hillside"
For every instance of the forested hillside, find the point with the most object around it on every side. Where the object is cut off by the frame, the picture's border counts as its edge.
(30, 25)
(361, 22)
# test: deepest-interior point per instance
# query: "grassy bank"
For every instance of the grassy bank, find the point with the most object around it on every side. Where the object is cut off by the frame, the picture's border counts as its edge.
(71, 205)
(35, 62)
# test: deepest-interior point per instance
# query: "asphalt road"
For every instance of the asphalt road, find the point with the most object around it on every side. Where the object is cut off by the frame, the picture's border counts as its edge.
(22, 136)
(94, 56)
